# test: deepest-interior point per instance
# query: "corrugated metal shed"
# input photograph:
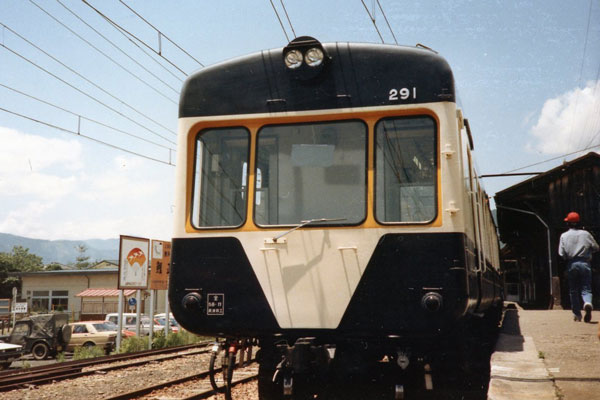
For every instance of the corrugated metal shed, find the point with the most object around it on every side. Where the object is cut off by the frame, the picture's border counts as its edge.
(572, 186)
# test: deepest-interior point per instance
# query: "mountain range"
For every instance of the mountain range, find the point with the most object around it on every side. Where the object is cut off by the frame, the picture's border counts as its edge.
(62, 251)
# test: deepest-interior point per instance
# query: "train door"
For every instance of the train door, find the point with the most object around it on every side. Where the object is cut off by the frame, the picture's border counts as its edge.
(479, 259)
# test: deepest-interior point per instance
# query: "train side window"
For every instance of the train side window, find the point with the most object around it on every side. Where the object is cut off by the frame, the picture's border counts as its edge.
(220, 175)
(406, 165)
(311, 170)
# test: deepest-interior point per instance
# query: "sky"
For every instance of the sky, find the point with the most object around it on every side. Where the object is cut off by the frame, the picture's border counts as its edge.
(88, 114)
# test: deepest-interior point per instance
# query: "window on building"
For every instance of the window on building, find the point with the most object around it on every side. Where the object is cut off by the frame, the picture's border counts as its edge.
(46, 300)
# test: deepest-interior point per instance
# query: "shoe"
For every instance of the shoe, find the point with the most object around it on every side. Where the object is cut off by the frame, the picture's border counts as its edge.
(577, 318)
(588, 312)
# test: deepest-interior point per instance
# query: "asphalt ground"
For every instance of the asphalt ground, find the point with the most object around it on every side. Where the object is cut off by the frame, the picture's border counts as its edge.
(544, 354)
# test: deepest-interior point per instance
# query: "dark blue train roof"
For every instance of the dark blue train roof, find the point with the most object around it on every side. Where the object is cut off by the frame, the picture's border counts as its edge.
(356, 75)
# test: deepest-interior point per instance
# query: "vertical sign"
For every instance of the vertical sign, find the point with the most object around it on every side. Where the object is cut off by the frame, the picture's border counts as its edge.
(133, 262)
(161, 263)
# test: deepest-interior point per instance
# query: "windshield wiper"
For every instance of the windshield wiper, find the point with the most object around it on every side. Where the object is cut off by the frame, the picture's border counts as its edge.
(307, 222)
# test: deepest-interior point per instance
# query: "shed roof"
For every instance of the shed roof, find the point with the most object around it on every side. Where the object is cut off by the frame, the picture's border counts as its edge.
(104, 293)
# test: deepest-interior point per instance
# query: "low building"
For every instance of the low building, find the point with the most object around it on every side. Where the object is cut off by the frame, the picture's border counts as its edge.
(83, 293)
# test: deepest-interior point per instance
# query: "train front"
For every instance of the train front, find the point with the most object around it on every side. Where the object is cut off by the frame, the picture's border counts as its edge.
(318, 203)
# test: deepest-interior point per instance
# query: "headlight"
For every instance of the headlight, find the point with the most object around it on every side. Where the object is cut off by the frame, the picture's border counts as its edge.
(293, 59)
(314, 57)
(432, 302)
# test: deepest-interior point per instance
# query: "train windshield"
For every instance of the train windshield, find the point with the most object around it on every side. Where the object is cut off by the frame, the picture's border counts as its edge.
(220, 177)
(405, 182)
(311, 171)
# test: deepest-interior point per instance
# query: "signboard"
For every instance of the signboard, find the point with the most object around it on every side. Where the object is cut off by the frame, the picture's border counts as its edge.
(161, 263)
(20, 308)
(133, 262)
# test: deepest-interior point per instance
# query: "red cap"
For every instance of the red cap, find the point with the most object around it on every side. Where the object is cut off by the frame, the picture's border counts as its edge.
(572, 217)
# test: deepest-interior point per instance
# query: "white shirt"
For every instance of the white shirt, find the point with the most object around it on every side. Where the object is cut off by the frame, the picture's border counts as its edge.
(577, 243)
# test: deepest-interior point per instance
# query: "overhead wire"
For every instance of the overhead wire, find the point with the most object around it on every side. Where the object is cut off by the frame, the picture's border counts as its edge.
(85, 79)
(119, 49)
(587, 32)
(85, 136)
(288, 18)
(554, 158)
(160, 33)
(372, 20)
(150, 56)
(131, 35)
(279, 19)
(84, 93)
(103, 53)
(83, 117)
(595, 124)
(387, 22)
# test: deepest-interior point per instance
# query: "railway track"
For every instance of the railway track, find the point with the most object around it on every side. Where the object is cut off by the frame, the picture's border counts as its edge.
(192, 387)
(10, 380)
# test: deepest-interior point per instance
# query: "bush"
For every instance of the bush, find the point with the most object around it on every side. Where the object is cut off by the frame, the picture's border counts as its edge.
(159, 340)
(81, 353)
(60, 357)
(133, 344)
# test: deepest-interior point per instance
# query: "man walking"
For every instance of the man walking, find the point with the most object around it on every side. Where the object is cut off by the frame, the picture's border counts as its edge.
(576, 246)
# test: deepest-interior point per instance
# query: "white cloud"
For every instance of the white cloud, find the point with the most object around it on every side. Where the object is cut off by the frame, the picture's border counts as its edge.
(111, 196)
(568, 122)
(37, 166)
(28, 218)
(21, 152)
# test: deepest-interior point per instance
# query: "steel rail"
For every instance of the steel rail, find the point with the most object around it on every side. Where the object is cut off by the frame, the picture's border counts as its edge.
(209, 393)
(45, 374)
(201, 375)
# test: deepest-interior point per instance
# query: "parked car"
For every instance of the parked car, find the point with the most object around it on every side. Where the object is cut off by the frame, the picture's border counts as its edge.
(124, 333)
(162, 320)
(9, 353)
(42, 335)
(92, 333)
(129, 322)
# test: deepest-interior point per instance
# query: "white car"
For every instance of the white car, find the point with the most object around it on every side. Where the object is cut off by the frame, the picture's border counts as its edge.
(129, 322)
(173, 324)
(9, 353)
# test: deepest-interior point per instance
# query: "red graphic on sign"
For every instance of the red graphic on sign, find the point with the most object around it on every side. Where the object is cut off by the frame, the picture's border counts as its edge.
(136, 255)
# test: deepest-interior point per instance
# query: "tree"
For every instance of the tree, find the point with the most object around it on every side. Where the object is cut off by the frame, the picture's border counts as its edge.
(82, 260)
(53, 267)
(18, 260)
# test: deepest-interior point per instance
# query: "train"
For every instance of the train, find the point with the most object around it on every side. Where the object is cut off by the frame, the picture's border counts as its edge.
(328, 210)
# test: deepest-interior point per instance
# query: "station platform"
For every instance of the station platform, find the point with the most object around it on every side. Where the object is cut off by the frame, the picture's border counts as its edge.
(545, 355)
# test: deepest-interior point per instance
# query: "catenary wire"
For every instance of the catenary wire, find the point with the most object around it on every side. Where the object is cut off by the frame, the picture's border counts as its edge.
(103, 53)
(84, 93)
(288, 18)
(587, 32)
(387, 22)
(372, 20)
(119, 49)
(150, 56)
(84, 118)
(162, 34)
(87, 80)
(279, 19)
(125, 31)
(596, 116)
(554, 158)
(84, 136)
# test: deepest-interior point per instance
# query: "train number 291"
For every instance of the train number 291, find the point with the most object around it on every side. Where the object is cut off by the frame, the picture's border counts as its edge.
(403, 94)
